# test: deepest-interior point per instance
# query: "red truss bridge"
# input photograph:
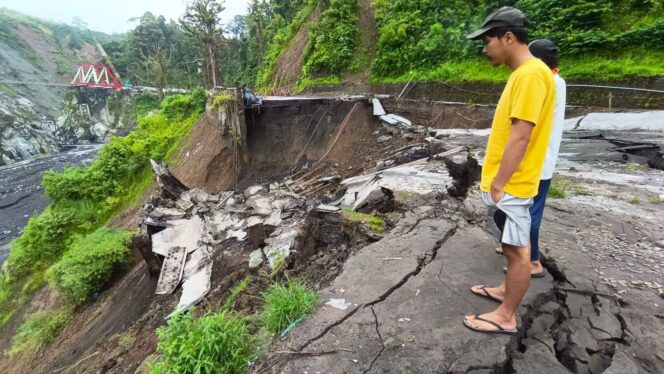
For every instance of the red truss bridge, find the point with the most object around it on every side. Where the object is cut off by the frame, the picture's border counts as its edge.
(95, 75)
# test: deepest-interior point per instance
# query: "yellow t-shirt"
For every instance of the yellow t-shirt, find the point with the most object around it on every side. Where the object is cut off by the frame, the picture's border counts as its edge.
(529, 95)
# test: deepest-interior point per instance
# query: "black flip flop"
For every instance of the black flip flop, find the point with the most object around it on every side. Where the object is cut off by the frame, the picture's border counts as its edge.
(534, 275)
(485, 294)
(501, 330)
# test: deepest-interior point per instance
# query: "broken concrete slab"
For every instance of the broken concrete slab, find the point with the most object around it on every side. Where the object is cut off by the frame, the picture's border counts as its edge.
(261, 205)
(394, 120)
(166, 214)
(253, 190)
(171, 271)
(424, 178)
(279, 247)
(185, 233)
(194, 289)
(645, 121)
(378, 109)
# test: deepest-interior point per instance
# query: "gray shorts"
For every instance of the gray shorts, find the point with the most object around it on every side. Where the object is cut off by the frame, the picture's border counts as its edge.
(509, 220)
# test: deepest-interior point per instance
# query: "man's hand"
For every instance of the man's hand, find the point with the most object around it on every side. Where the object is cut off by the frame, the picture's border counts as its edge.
(517, 144)
(497, 192)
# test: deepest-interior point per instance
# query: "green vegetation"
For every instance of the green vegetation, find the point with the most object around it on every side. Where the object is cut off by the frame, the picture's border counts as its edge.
(214, 343)
(424, 39)
(146, 103)
(556, 193)
(89, 263)
(635, 200)
(333, 40)
(656, 200)
(127, 339)
(285, 304)
(280, 41)
(227, 341)
(635, 166)
(220, 100)
(68, 240)
(40, 328)
(374, 223)
(561, 186)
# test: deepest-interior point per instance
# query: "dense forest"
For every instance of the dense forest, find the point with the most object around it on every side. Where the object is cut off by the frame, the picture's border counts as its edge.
(383, 40)
(420, 38)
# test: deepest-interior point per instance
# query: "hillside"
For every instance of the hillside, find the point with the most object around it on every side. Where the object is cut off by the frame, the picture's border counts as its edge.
(364, 41)
(36, 59)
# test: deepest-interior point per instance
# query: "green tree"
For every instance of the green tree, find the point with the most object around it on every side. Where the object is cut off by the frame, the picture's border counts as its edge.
(202, 23)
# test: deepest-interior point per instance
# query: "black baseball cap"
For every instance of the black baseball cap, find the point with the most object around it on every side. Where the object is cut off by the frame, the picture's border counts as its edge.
(545, 50)
(506, 16)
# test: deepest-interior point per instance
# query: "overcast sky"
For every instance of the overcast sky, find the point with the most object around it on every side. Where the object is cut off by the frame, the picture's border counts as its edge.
(111, 15)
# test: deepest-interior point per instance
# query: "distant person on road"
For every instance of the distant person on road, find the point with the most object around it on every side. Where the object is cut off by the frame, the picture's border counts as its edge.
(514, 159)
(546, 51)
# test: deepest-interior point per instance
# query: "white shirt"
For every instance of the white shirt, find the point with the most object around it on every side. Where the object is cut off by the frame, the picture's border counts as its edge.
(557, 130)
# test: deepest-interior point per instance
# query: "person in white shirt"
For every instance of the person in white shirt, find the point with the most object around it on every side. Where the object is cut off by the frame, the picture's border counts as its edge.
(546, 51)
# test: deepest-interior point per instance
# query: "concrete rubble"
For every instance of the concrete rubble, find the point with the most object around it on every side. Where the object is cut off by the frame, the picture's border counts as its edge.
(188, 226)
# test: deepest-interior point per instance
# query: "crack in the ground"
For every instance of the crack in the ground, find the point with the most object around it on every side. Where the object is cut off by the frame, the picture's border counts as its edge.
(570, 352)
(422, 262)
(442, 265)
(382, 342)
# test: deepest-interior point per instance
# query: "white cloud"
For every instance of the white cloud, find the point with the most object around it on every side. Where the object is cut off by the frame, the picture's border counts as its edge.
(111, 16)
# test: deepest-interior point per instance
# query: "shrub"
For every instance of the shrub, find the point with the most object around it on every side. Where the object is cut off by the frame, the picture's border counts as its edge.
(178, 107)
(286, 304)
(332, 42)
(44, 239)
(90, 263)
(215, 343)
(146, 103)
(40, 328)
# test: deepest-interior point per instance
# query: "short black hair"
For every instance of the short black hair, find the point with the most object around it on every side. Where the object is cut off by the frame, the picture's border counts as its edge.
(520, 33)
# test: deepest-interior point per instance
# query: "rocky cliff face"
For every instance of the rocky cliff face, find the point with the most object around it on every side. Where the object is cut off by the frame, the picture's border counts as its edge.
(24, 131)
(38, 111)
(93, 115)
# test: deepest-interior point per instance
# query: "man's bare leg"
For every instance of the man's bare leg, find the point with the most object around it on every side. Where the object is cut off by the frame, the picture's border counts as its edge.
(515, 286)
(535, 266)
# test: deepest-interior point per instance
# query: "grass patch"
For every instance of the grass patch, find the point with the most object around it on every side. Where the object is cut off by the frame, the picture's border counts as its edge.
(306, 82)
(127, 339)
(374, 223)
(220, 100)
(635, 200)
(635, 166)
(563, 186)
(8, 91)
(237, 290)
(597, 68)
(40, 328)
(214, 343)
(556, 193)
(285, 304)
(656, 200)
(87, 267)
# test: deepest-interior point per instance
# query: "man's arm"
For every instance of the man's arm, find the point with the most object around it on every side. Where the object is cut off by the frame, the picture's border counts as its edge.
(515, 150)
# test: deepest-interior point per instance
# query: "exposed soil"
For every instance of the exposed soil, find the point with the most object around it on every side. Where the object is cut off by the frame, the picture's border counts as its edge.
(289, 64)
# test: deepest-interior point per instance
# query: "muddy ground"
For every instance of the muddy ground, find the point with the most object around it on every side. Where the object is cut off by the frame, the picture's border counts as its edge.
(408, 288)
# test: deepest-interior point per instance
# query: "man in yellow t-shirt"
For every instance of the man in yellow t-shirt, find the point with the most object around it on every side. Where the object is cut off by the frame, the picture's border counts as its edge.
(514, 160)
